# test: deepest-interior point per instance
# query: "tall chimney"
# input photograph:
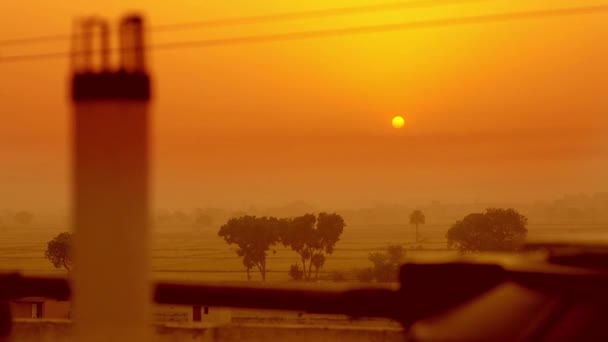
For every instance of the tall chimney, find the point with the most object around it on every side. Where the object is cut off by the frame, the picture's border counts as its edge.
(110, 184)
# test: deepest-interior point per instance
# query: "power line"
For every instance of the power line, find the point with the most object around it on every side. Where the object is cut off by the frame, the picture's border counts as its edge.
(480, 19)
(340, 11)
(469, 20)
(268, 18)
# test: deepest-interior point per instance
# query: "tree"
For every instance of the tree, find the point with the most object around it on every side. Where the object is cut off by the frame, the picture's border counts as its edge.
(396, 254)
(202, 220)
(298, 233)
(365, 275)
(417, 218)
(386, 264)
(254, 237)
(296, 272)
(493, 230)
(312, 237)
(163, 216)
(181, 216)
(24, 217)
(382, 270)
(58, 251)
(206, 217)
(337, 276)
(317, 261)
(249, 264)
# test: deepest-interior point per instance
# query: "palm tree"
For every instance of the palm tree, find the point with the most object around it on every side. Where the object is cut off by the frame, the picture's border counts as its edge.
(417, 218)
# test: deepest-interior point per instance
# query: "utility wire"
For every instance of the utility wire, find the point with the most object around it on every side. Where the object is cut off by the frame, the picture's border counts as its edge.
(290, 16)
(479, 19)
(268, 18)
(458, 21)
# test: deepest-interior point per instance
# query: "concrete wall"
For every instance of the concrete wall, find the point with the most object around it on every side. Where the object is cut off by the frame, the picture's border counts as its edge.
(60, 331)
(184, 314)
(172, 313)
(51, 309)
(55, 309)
(21, 309)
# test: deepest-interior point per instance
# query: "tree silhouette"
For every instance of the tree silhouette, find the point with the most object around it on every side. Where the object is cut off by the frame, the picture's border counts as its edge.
(58, 251)
(249, 264)
(417, 218)
(386, 264)
(203, 220)
(317, 261)
(254, 237)
(312, 238)
(493, 230)
(296, 272)
(24, 217)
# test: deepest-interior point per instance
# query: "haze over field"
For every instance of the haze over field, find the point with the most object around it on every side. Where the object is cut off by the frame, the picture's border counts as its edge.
(186, 245)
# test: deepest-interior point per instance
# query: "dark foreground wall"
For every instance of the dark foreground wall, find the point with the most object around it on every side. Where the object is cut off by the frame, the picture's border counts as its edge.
(60, 331)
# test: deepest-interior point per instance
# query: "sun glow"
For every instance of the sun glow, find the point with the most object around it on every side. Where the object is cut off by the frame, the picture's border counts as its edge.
(398, 122)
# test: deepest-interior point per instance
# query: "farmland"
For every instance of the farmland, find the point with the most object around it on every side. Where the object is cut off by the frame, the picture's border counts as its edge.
(182, 252)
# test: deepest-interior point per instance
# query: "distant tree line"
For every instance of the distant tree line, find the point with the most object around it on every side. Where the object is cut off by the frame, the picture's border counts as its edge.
(19, 218)
(312, 237)
(495, 229)
(198, 218)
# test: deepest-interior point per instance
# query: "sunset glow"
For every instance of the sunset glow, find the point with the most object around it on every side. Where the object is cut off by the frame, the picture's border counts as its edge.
(261, 170)
(533, 91)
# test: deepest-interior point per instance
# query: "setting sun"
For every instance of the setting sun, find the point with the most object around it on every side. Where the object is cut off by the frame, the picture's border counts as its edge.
(398, 122)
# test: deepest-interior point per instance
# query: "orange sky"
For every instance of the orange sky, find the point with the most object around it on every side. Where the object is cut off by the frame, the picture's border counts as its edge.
(511, 111)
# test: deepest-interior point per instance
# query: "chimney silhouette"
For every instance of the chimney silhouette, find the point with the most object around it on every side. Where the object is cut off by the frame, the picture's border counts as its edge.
(110, 182)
